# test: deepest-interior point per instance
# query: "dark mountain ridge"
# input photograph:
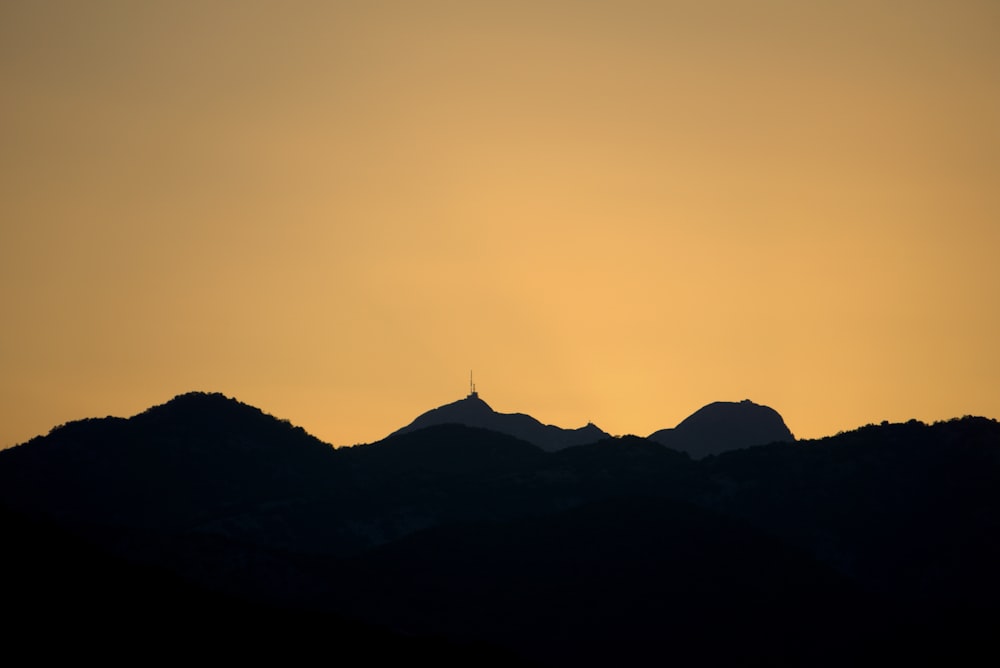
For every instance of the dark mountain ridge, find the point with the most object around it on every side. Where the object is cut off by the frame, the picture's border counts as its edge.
(723, 426)
(472, 411)
(885, 532)
(173, 466)
(715, 428)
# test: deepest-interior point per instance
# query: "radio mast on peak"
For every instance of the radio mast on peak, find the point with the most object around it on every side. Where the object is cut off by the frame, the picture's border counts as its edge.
(472, 387)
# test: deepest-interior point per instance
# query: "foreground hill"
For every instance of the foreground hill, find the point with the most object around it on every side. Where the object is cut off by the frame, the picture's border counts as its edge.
(173, 466)
(881, 542)
(908, 509)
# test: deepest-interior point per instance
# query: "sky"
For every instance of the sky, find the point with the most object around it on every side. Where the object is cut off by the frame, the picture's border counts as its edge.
(614, 212)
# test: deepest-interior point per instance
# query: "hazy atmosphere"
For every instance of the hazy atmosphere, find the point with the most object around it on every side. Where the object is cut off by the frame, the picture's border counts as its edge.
(610, 211)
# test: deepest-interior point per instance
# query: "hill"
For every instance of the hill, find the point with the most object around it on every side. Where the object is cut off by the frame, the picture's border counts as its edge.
(880, 542)
(723, 426)
(472, 411)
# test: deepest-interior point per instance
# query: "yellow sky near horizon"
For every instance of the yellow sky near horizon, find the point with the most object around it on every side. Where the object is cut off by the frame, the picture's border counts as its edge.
(611, 211)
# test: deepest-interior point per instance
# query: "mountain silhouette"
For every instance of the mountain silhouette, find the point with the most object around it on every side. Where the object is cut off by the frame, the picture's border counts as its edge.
(723, 426)
(877, 543)
(173, 467)
(472, 411)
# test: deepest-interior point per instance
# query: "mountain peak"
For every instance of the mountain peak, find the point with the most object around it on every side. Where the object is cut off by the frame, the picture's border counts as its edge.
(725, 425)
(471, 407)
(473, 411)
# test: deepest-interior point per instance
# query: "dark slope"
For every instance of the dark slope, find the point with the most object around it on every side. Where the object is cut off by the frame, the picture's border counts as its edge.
(63, 594)
(724, 426)
(444, 450)
(192, 460)
(624, 581)
(474, 412)
(908, 509)
(452, 473)
(441, 474)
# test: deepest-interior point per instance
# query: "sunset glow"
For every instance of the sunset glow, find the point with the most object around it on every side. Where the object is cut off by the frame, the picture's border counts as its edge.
(613, 212)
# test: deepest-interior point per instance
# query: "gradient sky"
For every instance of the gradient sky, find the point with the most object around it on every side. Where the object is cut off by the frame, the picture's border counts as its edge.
(612, 211)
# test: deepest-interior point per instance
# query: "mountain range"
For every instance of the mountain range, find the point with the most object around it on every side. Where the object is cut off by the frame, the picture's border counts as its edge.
(713, 429)
(207, 527)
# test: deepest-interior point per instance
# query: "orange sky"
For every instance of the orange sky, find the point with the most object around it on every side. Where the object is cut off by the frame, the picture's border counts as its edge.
(611, 211)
